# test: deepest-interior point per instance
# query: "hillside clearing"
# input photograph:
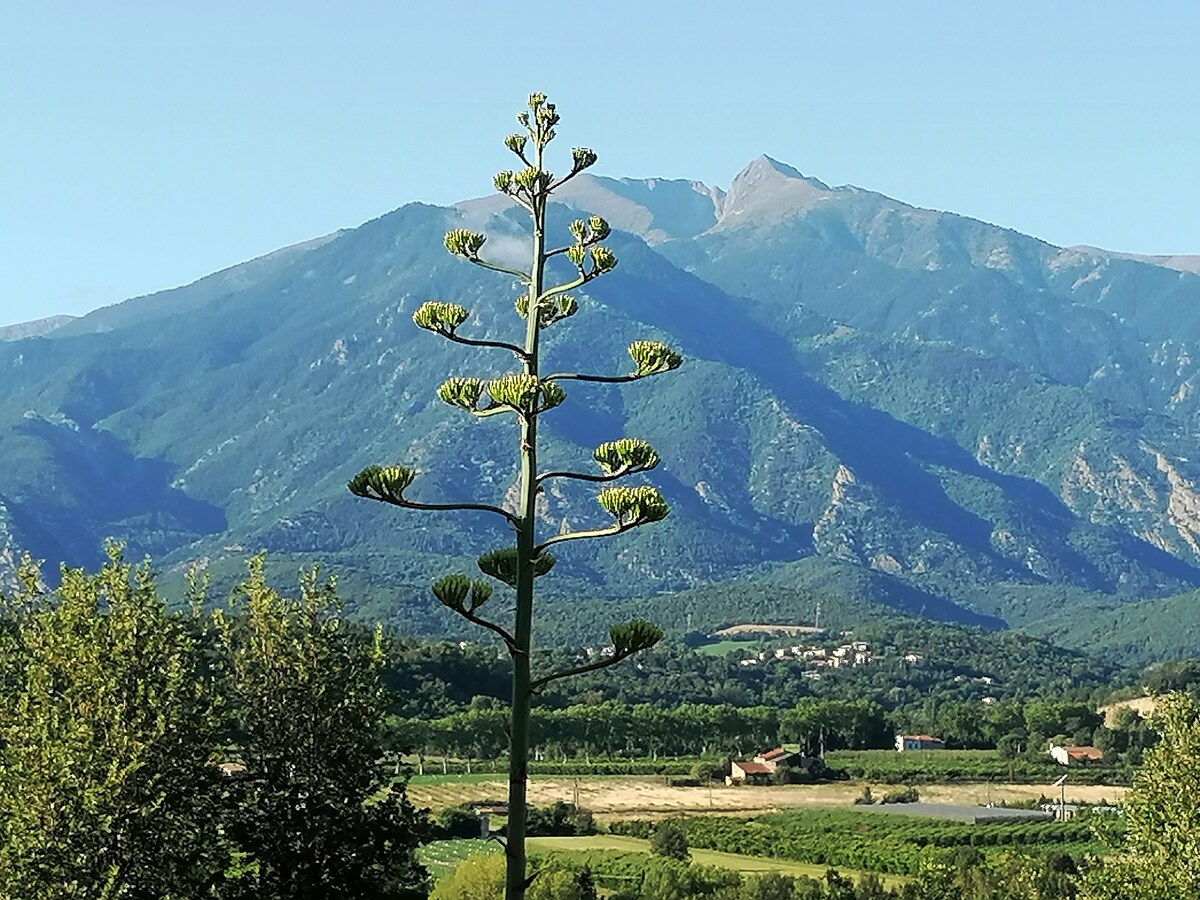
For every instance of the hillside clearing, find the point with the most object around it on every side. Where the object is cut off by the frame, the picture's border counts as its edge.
(768, 629)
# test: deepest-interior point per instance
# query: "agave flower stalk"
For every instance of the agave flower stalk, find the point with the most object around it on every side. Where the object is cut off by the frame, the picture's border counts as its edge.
(527, 394)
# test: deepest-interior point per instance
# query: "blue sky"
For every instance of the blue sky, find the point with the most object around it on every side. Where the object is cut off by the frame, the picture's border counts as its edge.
(147, 144)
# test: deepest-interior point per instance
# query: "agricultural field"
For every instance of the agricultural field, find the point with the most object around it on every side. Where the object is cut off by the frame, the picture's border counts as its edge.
(578, 849)
(441, 857)
(648, 797)
(724, 648)
(949, 766)
(871, 841)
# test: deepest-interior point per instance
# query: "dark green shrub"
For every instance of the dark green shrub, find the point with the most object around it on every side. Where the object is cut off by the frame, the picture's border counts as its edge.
(669, 841)
(906, 795)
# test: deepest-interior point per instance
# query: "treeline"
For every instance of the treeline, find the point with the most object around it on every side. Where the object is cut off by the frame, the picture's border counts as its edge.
(434, 679)
(613, 730)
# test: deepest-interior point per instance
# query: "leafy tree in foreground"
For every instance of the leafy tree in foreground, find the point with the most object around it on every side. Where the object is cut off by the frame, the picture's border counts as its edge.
(314, 814)
(481, 877)
(527, 394)
(1161, 853)
(106, 732)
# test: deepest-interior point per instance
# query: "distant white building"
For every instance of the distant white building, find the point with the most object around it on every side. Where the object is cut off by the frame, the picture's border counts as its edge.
(918, 742)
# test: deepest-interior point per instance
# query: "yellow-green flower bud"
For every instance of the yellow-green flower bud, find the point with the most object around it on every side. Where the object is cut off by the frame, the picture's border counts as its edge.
(386, 483)
(634, 637)
(627, 454)
(528, 178)
(516, 142)
(502, 565)
(503, 181)
(552, 396)
(576, 253)
(437, 316)
(549, 311)
(632, 506)
(582, 158)
(516, 391)
(462, 242)
(598, 228)
(652, 357)
(461, 392)
(452, 590)
(578, 230)
(603, 261)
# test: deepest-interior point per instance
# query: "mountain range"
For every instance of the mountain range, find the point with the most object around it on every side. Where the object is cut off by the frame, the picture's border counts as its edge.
(885, 403)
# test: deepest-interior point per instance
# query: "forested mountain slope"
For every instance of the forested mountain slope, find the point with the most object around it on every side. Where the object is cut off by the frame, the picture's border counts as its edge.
(984, 423)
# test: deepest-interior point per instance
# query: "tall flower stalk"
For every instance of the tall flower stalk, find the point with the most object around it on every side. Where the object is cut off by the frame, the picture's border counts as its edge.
(526, 395)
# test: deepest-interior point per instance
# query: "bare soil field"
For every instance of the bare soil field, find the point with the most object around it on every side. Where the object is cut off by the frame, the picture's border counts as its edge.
(622, 798)
(1143, 706)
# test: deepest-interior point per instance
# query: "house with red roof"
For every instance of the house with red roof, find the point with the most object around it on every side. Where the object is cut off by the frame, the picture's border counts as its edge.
(918, 742)
(762, 767)
(1076, 756)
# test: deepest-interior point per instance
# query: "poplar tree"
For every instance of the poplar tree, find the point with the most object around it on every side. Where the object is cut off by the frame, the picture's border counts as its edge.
(526, 395)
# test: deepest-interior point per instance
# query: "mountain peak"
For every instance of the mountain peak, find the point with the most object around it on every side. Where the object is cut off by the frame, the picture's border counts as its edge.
(767, 191)
(762, 163)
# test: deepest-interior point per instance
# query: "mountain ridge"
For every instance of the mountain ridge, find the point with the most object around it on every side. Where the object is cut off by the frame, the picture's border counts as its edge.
(974, 433)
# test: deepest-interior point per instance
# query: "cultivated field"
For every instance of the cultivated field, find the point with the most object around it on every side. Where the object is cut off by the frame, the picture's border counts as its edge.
(620, 797)
(747, 865)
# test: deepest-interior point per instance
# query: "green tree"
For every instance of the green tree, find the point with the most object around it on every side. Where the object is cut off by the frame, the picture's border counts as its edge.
(669, 840)
(1160, 856)
(106, 733)
(527, 394)
(481, 877)
(316, 815)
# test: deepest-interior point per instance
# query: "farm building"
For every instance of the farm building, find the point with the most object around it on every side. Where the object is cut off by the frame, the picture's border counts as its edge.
(1076, 756)
(749, 772)
(776, 758)
(918, 742)
(762, 767)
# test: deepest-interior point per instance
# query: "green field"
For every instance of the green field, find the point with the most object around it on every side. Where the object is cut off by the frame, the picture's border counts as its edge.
(577, 847)
(437, 778)
(441, 857)
(724, 648)
(851, 839)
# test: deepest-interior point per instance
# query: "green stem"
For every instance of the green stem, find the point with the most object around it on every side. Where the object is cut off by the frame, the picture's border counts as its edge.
(522, 684)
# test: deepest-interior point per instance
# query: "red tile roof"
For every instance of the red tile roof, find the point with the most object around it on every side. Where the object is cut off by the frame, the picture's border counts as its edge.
(777, 753)
(1085, 752)
(754, 768)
